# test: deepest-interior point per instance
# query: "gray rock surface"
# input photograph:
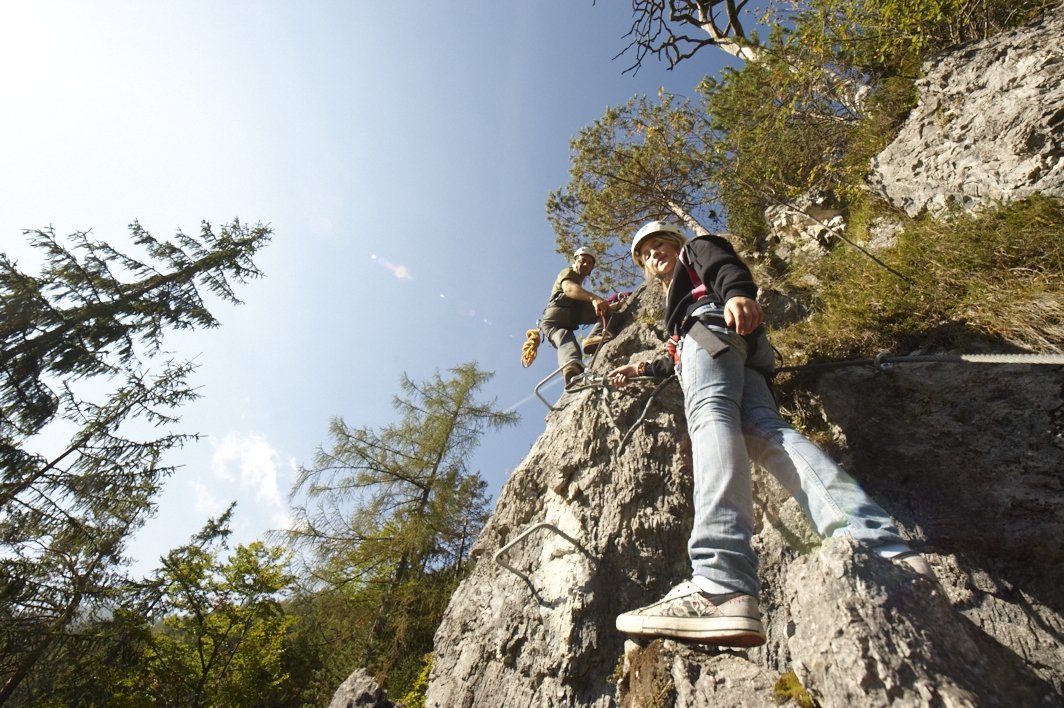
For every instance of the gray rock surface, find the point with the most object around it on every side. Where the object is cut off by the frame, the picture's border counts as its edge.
(804, 229)
(967, 457)
(551, 641)
(868, 633)
(989, 125)
(360, 690)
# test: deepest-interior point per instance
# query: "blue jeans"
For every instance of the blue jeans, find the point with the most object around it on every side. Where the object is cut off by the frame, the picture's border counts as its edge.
(731, 418)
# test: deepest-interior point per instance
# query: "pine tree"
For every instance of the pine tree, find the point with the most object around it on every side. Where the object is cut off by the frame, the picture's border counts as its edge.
(642, 161)
(81, 350)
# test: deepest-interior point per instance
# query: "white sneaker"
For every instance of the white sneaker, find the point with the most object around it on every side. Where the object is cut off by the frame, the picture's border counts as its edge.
(919, 565)
(731, 619)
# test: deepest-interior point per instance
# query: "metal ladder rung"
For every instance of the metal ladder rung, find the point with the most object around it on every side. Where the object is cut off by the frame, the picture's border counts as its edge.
(522, 536)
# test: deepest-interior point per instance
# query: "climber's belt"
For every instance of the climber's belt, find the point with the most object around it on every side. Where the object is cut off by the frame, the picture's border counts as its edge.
(707, 339)
(703, 335)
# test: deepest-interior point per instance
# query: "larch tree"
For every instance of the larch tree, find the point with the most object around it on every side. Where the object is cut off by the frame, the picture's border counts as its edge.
(388, 515)
(81, 360)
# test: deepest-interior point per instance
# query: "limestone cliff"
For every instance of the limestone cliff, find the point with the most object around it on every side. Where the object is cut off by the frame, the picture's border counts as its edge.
(967, 457)
(989, 125)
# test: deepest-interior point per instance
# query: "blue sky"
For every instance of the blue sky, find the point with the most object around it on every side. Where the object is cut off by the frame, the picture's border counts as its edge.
(402, 154)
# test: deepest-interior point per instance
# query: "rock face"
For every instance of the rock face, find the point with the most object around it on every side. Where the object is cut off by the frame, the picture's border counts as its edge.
(551, 641)
(989, 125)
(803, 229)
(969, 458)
(360, 690)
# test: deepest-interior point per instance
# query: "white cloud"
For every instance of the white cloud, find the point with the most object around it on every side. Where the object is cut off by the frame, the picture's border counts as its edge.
(252, 463)
(206, 503)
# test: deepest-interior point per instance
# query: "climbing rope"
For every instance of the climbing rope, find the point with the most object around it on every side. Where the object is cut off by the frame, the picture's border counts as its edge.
(646, 408)
(530, 348)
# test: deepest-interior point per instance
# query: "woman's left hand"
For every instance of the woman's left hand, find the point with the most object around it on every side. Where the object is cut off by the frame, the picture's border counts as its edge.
(743, 314)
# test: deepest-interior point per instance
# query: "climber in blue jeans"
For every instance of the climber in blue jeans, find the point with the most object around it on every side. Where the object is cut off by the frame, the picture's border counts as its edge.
(723, 359)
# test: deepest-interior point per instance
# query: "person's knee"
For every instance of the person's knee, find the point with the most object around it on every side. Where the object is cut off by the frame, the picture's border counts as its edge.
(711, 410)
(764, 422)
(556, 336)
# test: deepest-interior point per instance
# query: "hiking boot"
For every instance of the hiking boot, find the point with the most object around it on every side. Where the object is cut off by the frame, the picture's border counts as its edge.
(592, 342)
(571, 373)
(731, 619)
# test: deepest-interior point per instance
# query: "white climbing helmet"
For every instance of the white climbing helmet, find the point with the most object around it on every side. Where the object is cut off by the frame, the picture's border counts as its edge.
(654, 228)
(585, 251)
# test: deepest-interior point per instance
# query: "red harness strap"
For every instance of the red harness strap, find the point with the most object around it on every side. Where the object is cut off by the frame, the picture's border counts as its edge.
(671, 345)
(699, 290)
(699, 332)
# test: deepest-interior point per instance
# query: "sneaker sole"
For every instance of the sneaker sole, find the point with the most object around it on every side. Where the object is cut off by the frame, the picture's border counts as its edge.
(726, 631)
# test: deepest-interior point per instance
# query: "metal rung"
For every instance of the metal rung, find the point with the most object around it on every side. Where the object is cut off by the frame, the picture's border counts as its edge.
(522, 536)
(541, 383)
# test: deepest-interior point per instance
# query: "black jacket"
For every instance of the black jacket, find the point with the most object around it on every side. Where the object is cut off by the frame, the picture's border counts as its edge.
(717, 264)
(725, 276)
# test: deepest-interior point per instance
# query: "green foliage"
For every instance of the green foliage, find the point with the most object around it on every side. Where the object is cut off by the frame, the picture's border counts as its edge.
(780, 135)
(823, 94)
(862, 59)
(327, 641)
(200, 631)
(882, 35)
(76, 319)
(399, 501)
(222, 638)
(806, 115)
(388, 517)
(415, 697)
(1001, 273)
(93, 320)
(832, 84)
